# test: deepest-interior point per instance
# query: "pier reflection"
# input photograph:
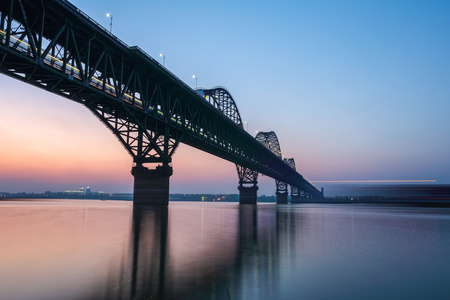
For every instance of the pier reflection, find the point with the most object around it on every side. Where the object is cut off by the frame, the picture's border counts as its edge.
(255, 267)
(148, 252)
(207, 253)
(182, 254)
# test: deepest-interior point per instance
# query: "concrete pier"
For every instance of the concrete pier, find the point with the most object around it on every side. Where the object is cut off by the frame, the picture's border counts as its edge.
(248, 195)
(295, 199)
(282, 198)
(151, 187)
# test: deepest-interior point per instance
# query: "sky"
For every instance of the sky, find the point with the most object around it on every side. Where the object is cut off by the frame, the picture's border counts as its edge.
(354, 90)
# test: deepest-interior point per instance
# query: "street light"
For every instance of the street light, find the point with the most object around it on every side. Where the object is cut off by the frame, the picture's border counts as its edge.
(246, 123)
(110, 24)
(164, 59)
(193, 76)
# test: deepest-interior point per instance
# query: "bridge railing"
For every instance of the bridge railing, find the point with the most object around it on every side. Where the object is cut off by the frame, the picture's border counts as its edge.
(132, 48)
(73, 7)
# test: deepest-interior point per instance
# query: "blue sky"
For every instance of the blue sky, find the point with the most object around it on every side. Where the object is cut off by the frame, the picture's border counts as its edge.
(355, 90)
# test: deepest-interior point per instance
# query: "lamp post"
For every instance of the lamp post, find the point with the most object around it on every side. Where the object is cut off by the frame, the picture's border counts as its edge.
(246, 123)
(193, 76)
(110, 24)
(164, 59)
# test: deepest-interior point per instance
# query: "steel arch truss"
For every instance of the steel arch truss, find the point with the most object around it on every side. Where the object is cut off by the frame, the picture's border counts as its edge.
(294, 189)
(222, 100)
(270, 140)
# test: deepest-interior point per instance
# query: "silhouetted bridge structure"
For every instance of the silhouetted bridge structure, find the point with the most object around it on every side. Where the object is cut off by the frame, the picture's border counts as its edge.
(53, 45)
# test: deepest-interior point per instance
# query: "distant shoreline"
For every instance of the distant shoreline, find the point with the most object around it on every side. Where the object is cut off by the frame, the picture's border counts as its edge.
(398, 202)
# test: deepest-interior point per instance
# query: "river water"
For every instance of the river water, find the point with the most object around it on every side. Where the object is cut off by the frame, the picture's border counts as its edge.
(80, 249)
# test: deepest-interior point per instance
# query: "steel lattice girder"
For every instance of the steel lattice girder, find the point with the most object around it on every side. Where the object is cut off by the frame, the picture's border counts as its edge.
(221, 99)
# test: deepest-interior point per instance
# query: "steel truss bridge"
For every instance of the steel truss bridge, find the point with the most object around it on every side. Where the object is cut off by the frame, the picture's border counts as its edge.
(53, 45)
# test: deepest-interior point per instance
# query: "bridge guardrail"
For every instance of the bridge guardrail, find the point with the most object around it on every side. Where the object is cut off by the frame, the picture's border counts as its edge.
(132, 48)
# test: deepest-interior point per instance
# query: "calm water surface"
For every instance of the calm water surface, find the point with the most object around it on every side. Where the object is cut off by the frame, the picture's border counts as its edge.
(78, 249)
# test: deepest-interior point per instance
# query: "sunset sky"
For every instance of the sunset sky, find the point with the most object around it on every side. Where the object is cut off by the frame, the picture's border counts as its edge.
(355, 90)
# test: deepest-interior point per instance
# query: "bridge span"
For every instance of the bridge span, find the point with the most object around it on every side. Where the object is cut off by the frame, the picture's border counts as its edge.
(53, 45)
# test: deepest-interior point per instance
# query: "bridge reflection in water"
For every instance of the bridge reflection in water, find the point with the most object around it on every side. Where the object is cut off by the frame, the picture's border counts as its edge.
(212, 258)
(112, 250)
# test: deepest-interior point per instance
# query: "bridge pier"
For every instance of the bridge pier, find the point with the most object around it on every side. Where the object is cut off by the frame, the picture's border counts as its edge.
(151, 187)
(282, 198)
(248, 180)
(248, 195)
(295, 199)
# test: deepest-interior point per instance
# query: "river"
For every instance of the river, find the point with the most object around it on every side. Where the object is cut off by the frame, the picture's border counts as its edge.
(92, 249)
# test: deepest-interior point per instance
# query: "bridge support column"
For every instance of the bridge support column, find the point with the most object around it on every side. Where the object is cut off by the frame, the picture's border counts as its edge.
(282, 192)
(282, 198)
(249, 177)
(295, 199)
(151, 187)
(295, 194)
(248, 195)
